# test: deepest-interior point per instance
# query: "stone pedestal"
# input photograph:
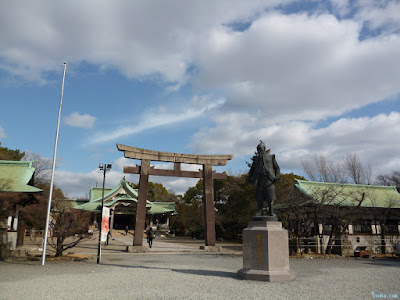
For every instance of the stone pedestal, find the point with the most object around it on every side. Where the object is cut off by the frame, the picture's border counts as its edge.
(12, 240)
(265, 251)
(211, 248)
(137, 249)
(4, 247)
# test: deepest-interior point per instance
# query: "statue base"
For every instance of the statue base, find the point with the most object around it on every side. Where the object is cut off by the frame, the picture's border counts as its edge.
(211, 248)
(265, 218)
(265, 251)
(136, 249)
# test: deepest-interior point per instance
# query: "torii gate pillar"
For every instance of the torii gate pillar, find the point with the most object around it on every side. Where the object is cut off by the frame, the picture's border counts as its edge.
(207, 161)
(209, 215)
(141, 204)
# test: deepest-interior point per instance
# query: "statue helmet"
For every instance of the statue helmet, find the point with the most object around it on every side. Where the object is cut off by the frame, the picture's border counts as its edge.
(261, 147)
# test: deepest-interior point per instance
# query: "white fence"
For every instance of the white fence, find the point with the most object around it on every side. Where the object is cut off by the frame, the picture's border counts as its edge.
(347, 245)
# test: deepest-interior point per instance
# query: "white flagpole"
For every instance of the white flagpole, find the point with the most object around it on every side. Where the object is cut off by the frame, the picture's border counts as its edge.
(46, 230)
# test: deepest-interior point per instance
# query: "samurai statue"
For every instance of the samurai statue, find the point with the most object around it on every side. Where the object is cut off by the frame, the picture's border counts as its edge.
(264, 172)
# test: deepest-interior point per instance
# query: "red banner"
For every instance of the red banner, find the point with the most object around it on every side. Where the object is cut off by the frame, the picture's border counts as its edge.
(105, 226)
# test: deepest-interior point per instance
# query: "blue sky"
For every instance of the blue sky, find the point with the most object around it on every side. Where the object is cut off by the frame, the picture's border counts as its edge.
(204, 77)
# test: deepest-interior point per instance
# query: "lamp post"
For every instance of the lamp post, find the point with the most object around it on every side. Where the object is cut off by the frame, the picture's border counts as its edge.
(105, 168)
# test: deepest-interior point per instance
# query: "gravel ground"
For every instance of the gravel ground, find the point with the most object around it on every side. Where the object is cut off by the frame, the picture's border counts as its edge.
(195, 276)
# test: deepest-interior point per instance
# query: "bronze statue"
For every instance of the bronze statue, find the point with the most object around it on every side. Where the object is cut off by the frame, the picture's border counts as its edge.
(264, 172)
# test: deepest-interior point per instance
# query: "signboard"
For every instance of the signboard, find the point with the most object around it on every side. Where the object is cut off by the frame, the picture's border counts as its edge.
(105, 226)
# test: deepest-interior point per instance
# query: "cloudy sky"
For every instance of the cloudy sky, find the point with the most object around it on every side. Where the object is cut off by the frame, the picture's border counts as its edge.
(204, 77)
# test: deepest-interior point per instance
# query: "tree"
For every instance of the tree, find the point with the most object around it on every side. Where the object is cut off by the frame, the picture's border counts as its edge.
(291, 209)
(190, 208)
(390, 179)
(8, 154)
(68, 226)
(328, 210)
(235, 204)
(42, 177)
(8, 200)
(321, 169)
(43, 166)
(8, 205)
(289, 202)
(349, 170)
(284, 187)
(157, 192)
(57, 192)
(328, 207)
(359, 173)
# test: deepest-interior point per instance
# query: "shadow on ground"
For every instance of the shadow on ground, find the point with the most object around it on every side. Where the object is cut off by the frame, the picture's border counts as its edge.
(183, 271)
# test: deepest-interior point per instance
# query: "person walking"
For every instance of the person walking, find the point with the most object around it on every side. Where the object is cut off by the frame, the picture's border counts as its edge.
(149, 234)
(108, 237)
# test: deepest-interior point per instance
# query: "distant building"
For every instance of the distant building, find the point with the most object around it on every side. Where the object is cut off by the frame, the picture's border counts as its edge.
(346, 218)
(122, 202)
(17, 180)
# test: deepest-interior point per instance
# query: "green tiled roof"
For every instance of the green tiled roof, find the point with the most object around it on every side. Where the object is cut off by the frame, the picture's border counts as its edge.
(92, 206)
(350, 194)
(111, 196)
(162, 208)
(15, 176)
(96, 193)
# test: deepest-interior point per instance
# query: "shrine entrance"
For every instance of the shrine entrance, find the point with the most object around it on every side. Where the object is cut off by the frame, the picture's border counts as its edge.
(208, 175)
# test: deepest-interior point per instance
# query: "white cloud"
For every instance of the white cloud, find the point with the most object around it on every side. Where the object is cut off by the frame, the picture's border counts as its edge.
(179, 185)
(76, 119)
(154, 119)
(277, 74)
(342, 7)
(299, 67)
(122, 162)
(139, 39)
(2, 133)
(75, 184)
(373, 139)
(238, 133)
(383, 15)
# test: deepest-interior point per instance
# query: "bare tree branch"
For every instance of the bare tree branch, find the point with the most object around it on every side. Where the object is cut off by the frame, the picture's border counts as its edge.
(390, 179)
(359, 173)
(43, 165)
(323, 170)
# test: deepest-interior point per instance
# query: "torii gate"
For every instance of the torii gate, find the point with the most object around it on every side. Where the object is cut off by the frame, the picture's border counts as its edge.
(145, 170)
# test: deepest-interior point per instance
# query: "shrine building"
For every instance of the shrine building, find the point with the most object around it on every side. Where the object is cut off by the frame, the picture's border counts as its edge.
(122, 202)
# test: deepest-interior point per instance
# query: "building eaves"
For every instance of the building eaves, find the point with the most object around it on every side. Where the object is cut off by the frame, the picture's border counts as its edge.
(350, 194)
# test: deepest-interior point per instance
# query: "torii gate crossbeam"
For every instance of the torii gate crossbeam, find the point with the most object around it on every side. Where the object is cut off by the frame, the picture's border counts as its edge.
(145, 170)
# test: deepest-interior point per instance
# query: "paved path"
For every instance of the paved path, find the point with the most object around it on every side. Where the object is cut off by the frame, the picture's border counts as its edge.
(165, 245)
(119, 243)
(177, 269)
(194, 275)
